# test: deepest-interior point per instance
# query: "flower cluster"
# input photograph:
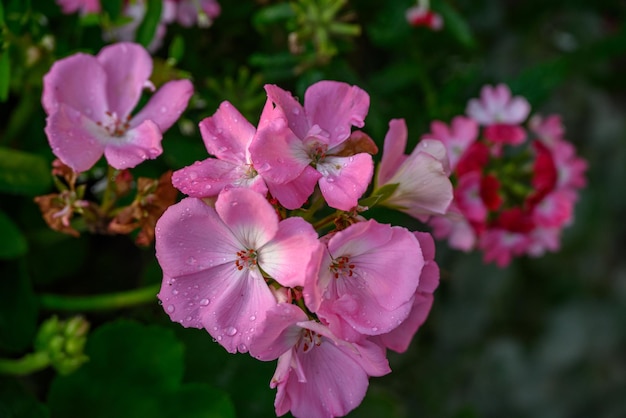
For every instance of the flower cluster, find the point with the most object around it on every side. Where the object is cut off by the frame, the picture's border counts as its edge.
(515, 187)
(242, 256)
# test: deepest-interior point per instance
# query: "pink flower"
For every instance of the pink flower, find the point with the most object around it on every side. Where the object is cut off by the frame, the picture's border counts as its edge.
(135, 11)
(400, 337)
(354, 293)
(227, 135)
(89, 101)
(457, 138)
(422, 177)
(82, 6)
(421, 15)
(214, 262)
(318, 375)
(191, 12)
(497, 106)
(304, 145)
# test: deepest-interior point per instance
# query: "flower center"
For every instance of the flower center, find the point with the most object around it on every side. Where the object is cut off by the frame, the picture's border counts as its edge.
(317, 152)
(114, 125)
(246, 259)
(309, 340)
(342, 267)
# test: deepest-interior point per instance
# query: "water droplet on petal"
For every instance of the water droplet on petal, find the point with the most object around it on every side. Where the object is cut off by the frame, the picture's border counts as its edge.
(170, 308)
(174, 292)
(203, 302)
(191, 261)
(230, 331)
(252, 318)
(242, 348)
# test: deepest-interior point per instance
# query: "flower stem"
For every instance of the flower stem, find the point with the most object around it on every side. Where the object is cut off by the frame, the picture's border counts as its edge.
(28, 364)
(100, 302)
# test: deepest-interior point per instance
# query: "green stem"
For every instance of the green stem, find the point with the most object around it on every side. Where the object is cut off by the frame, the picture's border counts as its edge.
(28, 364)
(110, 196)
(100, 302)
(325, 221)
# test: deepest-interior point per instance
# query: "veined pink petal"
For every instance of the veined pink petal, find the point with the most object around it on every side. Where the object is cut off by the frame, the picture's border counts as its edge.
(71, 138)
(277, 153)
(336, 107)
(286, 257)
(227, 134)
(128, 66)
(278, 333)
(249, 216)
(209, 177)
(290, 109)
(135, 146)
(345, 179)
(293, 194)
(393, 151)
(77, 81)
(166, 105)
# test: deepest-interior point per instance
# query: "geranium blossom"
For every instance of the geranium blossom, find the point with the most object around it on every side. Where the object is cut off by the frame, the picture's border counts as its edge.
(305, 145)
(89, 101)
(318, 375)
(354, 293)
(82, 6)
(422, 15)
(497, 105)
(214, 261)
(422, 177)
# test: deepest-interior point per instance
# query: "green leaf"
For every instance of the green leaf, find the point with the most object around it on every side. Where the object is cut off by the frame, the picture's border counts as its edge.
(18, 307)
(177, 48)
(17, 402)
(455, 23)
(13, 244)
(113, 8)
(148, 27)
(5, 75)
(273, 14)
(23, 173)
(134, 371)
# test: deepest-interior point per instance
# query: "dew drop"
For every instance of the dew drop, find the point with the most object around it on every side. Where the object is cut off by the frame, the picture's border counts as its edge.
(242, 348)
(252, 318)
(170, 308)
(174, 292)
(191, 261)
(204, 302)
(230, 331)
(193, 175)
(374, 329)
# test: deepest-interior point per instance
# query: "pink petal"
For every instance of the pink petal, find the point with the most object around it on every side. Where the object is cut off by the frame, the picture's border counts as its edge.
(292, 195)
(227, 134)
(277, 154)
(393, 150)
(345, 179)
(249, 216)
(128, 66)
(290, 109)
(166, 105)
(71, 137)
(279, 333)
(287, 255)
(78, 81)
(336, 107)
(209, 177)
(135, 146)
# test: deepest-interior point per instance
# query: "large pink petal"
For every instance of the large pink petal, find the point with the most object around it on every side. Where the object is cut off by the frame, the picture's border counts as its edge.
(279, 333)
(336, 107)
(209, 177)
(277, 153)
(345, 179)
(393, 151)
(128, 67)
(290, 109)
(78, 81)
(166, 105)
(227, 134)
(249, 216)
(293, 194)
(71, 137)
(135, 146)
(287, 255)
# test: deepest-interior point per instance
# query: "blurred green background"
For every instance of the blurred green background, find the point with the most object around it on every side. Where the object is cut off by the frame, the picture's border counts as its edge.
(542, 338)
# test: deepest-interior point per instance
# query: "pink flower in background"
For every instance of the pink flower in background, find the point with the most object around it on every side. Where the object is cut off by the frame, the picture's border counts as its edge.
(191, 12)
(422, 177)
(513, 193)
(497, 105)
(318, 375)
(354, 293)
(89, 102)
(461, 133)
(305, 145)
(226, 135)
(422, 15)
(214, 261)
(82, 6)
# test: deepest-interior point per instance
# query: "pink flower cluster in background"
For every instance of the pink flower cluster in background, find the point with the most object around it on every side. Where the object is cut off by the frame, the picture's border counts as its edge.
(515, 186)
(242, 256)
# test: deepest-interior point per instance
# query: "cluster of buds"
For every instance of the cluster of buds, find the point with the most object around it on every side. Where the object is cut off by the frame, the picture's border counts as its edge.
(63, 342)
(515, 187)
(246, 257)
